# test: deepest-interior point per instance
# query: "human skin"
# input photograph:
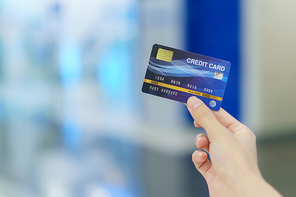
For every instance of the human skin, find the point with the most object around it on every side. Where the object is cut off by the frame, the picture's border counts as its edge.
(233, 169)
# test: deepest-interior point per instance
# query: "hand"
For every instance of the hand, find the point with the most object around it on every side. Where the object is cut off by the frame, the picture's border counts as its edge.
(233, 169)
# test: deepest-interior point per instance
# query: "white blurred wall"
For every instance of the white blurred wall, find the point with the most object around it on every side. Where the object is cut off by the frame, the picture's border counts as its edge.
(269, 64)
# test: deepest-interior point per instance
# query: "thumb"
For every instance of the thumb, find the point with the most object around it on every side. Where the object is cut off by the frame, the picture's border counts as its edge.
(206, 118)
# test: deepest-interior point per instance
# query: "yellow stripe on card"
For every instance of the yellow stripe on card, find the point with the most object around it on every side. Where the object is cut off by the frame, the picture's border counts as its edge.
(182, 89)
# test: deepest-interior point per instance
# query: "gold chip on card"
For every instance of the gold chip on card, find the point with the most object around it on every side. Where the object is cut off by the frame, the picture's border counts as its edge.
(165, 55)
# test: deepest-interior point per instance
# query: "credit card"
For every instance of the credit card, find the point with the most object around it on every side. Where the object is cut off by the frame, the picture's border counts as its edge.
(176, 74)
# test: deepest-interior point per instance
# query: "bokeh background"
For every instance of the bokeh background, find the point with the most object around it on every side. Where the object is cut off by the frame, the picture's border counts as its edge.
(73, 119)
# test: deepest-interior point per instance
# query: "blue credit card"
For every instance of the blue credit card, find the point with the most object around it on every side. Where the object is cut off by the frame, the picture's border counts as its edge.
(178, 75)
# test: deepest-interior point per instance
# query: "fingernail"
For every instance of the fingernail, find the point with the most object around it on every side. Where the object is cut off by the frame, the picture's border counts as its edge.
(193, 102)
(199, 154)
(198, 139)
(196, 124)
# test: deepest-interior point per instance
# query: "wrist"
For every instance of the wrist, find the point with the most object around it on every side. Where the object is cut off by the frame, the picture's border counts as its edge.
(255, 185)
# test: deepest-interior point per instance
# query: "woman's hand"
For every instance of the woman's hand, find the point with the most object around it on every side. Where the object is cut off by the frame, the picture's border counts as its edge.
(233, 169)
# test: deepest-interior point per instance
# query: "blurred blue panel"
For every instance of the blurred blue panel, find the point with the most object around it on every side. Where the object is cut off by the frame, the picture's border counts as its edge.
(70, 68)
(70, 63)
(114, 71)
(110, 71)
(213, 30)
(71, 136)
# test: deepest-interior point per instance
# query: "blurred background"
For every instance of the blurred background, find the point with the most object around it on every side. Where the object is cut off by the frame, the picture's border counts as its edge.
(73, 119)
